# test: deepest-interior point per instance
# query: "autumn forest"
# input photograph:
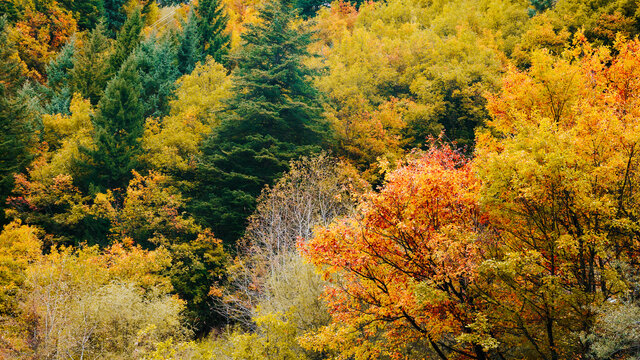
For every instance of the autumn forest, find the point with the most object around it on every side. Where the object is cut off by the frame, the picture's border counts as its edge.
(311, 180)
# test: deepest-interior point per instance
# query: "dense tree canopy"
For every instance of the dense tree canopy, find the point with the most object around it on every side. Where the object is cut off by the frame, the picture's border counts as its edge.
(315, 180)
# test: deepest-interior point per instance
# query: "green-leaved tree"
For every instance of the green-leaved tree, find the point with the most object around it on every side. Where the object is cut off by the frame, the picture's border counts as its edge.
(90, 72)
(212, 26)
(118, 127)
(127, 41)
(273, 117)
(15, 124)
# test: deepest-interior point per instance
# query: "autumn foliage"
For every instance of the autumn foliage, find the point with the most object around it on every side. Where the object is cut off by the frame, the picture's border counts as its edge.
(402, 272)
(314, 180)
(511, 254)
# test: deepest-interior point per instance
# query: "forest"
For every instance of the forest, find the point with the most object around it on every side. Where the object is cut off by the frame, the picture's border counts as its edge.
(310, 180)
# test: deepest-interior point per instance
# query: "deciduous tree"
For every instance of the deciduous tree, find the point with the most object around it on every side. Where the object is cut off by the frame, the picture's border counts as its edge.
(403, 273)
(312, 193)
(558, 173)
(40, 34)
(172, 143)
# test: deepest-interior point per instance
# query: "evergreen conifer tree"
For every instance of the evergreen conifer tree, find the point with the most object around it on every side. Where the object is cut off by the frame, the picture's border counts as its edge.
(16, 134)
(118, 126)
(15, 126)
(90, 72)
(114, 15)
(156, 64)
(127, 41)
(273, 117)
(539, 6)
(59, 78)
(189, 51)
(86, 12)
(212, 25)
(10, 10)
(309, 8)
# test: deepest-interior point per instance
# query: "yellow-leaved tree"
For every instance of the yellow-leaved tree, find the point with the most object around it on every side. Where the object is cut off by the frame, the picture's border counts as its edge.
(560, 173)
(19, 248)
(402, 70)
(171, 143)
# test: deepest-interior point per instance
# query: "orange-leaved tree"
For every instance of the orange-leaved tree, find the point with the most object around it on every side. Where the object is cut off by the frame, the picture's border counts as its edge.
(402, 274)
(41, 34)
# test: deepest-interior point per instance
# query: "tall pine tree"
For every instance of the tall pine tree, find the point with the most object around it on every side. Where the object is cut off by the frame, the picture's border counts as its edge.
(90, 72)
(273, 117)
(212, 26)
(16, 133)
(118, 127)
(127, 41)
(59, 78)
(189, 51)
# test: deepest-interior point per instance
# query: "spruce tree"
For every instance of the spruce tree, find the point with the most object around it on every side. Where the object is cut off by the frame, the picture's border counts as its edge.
(59, 78)
(156, 64)
(118, 127)
(273, 117)
(539, 6)
(127, 41)
(114, 15)
(90, 72)
(88, 13)
(212, 26)
(10, 10)
(309, 8)
(16, 134)
(189, 51)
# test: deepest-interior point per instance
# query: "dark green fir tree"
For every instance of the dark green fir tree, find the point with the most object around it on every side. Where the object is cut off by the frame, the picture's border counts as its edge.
(538, 6)
(59, 79)
(90, 72)
(118, 126)
(10, 10)
(156, 64)
(212, 26)
(127, 41)
(16, 133)
(86, 12)
(273, 117)
(189, 51)
(309, 8)
(114, 16)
